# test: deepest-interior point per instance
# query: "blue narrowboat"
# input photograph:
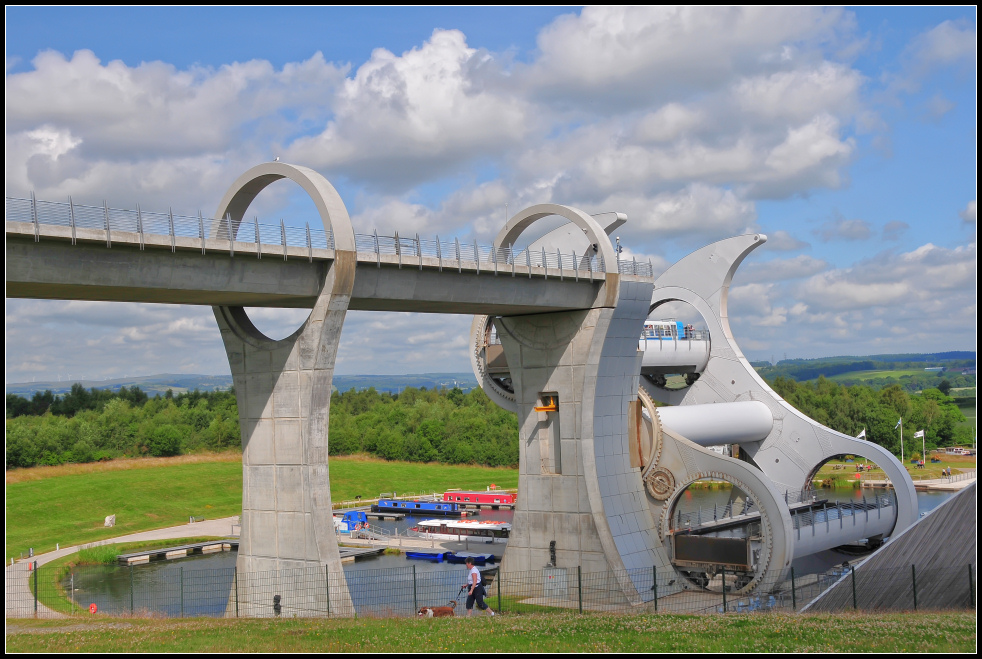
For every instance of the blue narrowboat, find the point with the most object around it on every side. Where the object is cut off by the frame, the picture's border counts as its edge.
(407, 507)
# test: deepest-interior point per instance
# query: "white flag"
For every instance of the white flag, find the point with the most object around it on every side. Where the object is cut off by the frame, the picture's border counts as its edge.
(919, 433)
(898, 423)
(862, 435)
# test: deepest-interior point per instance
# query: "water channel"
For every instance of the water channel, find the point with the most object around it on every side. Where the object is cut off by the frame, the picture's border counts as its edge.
(200, 585)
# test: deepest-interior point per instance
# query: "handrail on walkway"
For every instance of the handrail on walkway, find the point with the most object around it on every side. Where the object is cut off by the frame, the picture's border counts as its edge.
(410, 250)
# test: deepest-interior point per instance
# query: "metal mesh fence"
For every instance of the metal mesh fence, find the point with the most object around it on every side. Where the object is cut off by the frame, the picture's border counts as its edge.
(177, 591)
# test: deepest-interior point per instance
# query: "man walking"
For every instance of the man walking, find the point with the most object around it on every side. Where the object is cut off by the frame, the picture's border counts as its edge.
(475, 591)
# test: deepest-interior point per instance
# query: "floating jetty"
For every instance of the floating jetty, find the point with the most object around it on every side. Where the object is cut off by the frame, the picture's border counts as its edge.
(182, 551)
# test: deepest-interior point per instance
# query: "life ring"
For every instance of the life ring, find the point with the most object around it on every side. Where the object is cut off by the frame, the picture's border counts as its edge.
(93, 608)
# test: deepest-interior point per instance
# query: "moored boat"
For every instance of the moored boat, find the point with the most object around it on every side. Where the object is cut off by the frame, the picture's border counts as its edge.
(464, 529)
(413, 507)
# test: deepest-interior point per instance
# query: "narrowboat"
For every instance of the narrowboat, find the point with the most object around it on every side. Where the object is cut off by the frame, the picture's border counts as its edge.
(417, 507)
(493, 498)
(465, 529)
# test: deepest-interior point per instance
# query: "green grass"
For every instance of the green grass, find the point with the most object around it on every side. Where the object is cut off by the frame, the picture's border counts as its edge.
(872, 375)
(561, 632)
(68, 505)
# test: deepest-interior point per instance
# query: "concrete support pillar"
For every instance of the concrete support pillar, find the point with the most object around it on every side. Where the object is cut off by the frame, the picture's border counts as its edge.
(580, 499)
(288, 546)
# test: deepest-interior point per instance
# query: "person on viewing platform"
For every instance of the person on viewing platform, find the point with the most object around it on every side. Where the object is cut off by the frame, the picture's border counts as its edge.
(475, 590)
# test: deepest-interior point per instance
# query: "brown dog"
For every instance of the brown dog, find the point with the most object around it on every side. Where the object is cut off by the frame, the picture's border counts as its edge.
(438, 611)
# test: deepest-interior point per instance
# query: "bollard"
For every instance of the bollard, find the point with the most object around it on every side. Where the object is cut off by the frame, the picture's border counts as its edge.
(794, 596)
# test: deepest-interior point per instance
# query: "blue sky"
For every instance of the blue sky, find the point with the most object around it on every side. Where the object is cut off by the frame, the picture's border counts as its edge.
(848, 136)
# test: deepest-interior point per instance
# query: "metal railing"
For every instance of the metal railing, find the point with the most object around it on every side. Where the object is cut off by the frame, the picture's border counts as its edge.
(177, 591)
(410, 250)
(839, 511)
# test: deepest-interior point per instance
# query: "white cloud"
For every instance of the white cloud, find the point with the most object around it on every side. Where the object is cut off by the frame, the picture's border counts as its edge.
(909, 279)
(894, 230)
(780, 269)
(970, 213)
(615, 54)
(783, 241)
(948, 43)
(840, 228)
(403, 119)
(800, 94)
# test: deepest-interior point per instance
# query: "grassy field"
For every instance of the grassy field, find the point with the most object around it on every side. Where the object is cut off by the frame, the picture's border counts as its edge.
(564, 632)
(931, 470)
(68, 504)
(872, 375)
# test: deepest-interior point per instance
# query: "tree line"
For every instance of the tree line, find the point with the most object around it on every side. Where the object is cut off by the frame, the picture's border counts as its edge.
(851, 409)
(416, 425)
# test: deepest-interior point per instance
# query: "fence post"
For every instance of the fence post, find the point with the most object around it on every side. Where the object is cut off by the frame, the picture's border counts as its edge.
(35, 589)
(498, 581)
(415, 599)
(794, 595)
(724, 590)
(170, 226)
(971, 587)
(182, 591)
(855, 603)
(235, 577)
(109, 235)
(131, 590)
(913, 581)
(327, 588)
(579, 586)
(654, 585)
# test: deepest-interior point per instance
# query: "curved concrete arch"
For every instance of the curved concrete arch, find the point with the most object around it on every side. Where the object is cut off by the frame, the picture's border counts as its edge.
(797, 443)
(525, 218)
(283, 390)
(522, 220)
(244, 190)
(499, 395)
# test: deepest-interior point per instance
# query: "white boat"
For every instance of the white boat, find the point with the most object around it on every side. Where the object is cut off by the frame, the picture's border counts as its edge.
(463, 529)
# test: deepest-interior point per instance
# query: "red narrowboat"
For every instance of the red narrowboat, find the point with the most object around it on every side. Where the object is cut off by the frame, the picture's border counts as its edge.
(492, 498)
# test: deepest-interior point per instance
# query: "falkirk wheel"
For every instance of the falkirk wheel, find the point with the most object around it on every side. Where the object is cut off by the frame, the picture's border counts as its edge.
(605, 471)
(609, 450)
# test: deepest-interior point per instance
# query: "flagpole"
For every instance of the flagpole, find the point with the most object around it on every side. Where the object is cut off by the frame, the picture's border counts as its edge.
(902, 440)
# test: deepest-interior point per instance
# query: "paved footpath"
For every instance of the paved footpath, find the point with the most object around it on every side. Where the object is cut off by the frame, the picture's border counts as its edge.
(19, 601)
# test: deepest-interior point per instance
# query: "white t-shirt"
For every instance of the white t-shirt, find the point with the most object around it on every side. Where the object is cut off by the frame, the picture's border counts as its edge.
(470, 577)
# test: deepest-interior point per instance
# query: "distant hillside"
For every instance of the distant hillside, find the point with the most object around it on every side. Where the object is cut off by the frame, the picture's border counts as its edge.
(880, 370)
(150, 384)
(181, 382)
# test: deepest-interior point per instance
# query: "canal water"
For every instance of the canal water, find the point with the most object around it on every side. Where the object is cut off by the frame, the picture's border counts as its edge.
(201, 585)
